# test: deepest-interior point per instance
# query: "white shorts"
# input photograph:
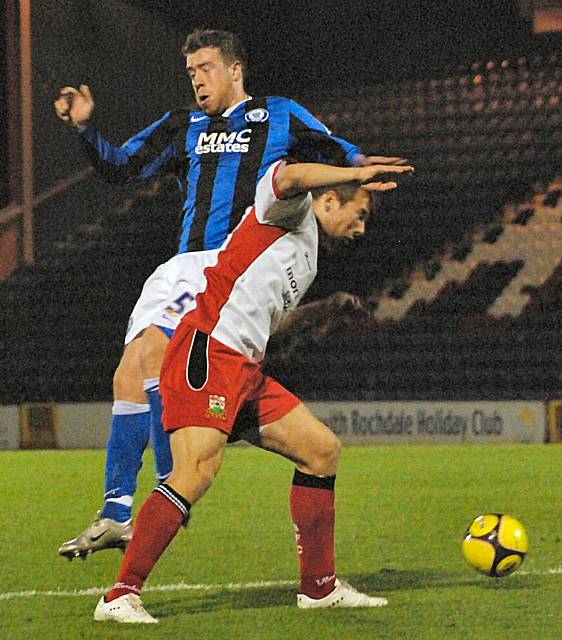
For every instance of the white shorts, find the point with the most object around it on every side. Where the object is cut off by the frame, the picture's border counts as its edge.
(169, 293)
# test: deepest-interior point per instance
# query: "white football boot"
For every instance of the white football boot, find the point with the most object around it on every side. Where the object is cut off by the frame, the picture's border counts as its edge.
(343, 595)
(127, 608)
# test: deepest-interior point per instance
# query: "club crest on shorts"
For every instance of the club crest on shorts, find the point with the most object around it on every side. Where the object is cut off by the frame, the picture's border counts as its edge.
(217, 407)
(257, 115)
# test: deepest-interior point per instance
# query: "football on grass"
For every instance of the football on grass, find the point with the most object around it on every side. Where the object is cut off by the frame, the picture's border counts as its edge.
(495, 544)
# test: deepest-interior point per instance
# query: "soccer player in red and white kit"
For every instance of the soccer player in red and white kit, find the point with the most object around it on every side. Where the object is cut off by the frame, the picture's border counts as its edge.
(212, 371)
(218, 153)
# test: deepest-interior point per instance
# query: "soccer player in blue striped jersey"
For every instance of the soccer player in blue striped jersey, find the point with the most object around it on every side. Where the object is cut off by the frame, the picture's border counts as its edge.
(218, 153)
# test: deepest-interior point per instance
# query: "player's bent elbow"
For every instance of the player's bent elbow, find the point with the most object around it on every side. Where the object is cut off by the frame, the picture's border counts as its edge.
(288, 181)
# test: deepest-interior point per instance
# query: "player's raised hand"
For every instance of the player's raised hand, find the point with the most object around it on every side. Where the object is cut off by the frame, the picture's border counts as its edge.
(365, 161)
(343, 301)
(75, 106)
(378, 177)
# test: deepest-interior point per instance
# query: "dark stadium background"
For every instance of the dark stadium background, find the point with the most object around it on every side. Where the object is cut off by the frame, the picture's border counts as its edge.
(336, 58)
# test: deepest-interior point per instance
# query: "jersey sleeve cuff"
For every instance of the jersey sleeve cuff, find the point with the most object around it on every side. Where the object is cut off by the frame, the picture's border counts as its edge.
(88, 133)
(276, 191)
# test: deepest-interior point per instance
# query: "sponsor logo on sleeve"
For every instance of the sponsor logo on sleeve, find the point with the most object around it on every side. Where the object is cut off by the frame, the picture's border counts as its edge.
(292, 294)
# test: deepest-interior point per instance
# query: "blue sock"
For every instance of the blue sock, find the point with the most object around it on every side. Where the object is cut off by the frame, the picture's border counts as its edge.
(129, 436)
(160, 439)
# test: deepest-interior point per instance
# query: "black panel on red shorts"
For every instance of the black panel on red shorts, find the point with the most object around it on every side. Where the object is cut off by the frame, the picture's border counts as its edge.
(197, 368)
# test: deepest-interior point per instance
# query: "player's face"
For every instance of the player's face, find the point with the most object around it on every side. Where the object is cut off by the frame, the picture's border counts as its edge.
(348, 221)
(212, 79)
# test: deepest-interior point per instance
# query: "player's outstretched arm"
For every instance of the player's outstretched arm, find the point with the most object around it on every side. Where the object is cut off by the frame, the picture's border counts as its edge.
(308, 315)
(362, 161)
(75, 106)
(293, 179)
(134, 160)
(314, 142)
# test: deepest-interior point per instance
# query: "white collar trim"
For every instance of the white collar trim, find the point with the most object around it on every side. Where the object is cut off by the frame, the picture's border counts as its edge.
(231, 109)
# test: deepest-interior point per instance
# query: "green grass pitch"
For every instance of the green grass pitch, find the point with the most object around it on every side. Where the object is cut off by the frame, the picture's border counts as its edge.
(401, 515)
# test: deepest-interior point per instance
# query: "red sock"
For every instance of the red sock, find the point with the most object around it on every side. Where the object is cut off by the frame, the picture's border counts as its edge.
(312, 510)
(156, 525)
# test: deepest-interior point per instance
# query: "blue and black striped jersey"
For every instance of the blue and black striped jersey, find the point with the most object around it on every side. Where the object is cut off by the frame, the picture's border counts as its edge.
(218, 160)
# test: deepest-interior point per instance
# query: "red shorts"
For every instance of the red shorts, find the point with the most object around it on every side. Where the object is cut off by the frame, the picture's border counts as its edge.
(204, 383)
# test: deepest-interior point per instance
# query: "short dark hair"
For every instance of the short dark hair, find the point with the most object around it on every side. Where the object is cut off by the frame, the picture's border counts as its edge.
(228, 43)
(345, 192)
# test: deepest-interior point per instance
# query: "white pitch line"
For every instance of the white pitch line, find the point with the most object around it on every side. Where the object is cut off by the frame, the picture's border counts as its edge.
(537, 572)
(229, 586)
(180, 586)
